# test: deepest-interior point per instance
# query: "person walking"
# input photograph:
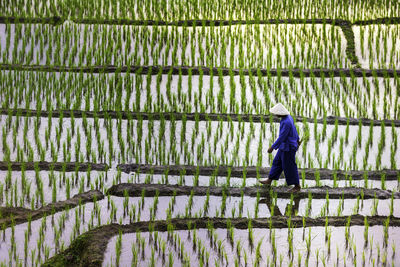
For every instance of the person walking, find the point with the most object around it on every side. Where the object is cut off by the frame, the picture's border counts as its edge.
(287, 144)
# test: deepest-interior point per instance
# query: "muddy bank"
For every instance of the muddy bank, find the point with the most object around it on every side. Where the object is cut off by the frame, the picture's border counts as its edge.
(88, 249)
(135, 190)
(8, 212)
(20, 215)
(189, 116)
(351, 44)
(185, 70)
(253, 171)
(56, 20)
(56, 166)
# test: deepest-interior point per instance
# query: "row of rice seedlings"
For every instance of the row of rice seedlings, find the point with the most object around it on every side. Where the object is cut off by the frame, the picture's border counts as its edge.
(377, 46)
(259, 146)
(136, 93)
(20, 191)
(318, 46)
(157, 148)
(35, 245)
(175, 11)
(80, 215)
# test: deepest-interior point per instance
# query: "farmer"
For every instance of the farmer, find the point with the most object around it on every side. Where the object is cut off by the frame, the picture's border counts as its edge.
(287, 145)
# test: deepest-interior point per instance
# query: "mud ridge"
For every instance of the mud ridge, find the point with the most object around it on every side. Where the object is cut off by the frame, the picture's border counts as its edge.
(88, 249)
(57, 20)
(125, 115)
(253, 171)
(135, 190)
(351, 45)
(185, 70)
(55, 166)
(20, 215)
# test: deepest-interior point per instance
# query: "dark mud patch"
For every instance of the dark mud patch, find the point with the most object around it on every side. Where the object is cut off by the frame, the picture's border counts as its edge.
(55, 166)
(351, 45)
(8, 212)
(88, 249)
(185, 70)
(178, 116)
(135, 190)
(58, 20)
(385, 21)
(55, 20)
(253, 171)
(18, 215)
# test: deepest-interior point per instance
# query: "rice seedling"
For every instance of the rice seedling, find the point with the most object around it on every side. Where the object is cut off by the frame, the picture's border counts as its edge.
(189, 90)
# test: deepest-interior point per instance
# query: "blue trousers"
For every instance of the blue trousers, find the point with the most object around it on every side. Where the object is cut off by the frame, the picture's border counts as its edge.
(285, 161)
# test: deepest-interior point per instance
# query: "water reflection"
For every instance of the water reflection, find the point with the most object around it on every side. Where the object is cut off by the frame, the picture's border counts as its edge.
(292, 208)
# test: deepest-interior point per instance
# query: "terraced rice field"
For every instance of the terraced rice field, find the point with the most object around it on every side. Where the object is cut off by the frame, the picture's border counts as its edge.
(134, 133)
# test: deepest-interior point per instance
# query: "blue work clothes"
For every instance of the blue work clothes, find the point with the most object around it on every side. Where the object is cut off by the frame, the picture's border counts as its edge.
(285, 159)
(288, 136)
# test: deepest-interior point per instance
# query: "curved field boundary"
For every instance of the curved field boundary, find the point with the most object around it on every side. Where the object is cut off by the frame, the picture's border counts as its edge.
(88, 249)
(351, 44)
(253, 171)
(185, 70)
(188, 116)
(55, 166)
(56, 20)
(135, 190)
(19, 215)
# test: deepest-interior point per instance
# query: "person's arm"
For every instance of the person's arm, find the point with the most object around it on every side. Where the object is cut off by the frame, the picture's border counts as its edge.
(283, 134)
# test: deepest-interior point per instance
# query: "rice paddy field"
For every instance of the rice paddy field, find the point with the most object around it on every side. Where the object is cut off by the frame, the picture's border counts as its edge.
(134, 133)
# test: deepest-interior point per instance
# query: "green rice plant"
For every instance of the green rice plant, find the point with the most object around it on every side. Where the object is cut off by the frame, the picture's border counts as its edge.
(391, 204)
(170, 260)
(241, 204)
(340, 206)
(309, 206)
(258, 252)
(366, 228)
(244, 176)
(393, 250)
(118, 246)
(273, 242)
(386, 230)
(256, 205)
(317, 178)
(375, 205)
(383, 180)
(347, 230)
(308, 243)
(250, 233)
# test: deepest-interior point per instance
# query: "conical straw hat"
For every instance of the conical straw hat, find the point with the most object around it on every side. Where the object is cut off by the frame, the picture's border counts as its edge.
(279, 109)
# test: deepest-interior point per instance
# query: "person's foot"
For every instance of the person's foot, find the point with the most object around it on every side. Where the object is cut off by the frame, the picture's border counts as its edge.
(266, 181)
(294, 189)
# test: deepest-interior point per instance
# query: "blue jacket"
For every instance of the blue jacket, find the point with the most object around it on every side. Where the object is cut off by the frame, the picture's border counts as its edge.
(288, 136)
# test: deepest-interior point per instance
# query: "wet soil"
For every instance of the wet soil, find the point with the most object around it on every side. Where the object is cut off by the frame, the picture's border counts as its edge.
(59, 20)
(11, 215)
(56, 166)
(88, 249)
(8, 212)
(135, 190)
(185, 70)
(189, 116)
(253, 171)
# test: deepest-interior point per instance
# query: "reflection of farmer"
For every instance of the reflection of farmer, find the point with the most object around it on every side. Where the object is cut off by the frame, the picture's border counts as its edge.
(291, 208)
(287, 145)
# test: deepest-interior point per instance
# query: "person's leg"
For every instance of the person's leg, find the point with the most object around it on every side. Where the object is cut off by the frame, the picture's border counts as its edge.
(276, 169)
(290, 168)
